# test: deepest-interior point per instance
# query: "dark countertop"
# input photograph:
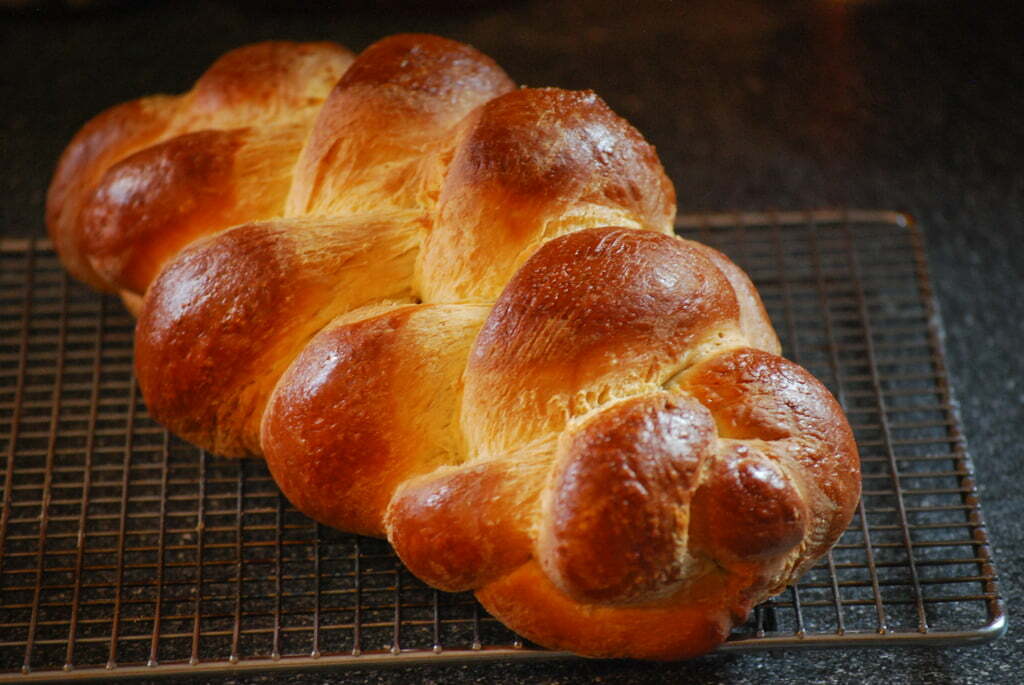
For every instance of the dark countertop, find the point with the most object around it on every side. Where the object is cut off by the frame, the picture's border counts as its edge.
(752, 105)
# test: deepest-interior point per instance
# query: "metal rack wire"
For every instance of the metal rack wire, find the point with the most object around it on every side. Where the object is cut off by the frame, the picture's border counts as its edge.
(126, 552)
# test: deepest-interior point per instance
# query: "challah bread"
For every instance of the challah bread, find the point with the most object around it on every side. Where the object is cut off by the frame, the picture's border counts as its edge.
(453, 313)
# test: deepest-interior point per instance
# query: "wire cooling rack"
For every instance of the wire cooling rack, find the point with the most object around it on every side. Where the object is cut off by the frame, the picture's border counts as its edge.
(126, 552)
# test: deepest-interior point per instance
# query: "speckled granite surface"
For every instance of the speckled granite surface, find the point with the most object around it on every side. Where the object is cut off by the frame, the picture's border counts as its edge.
(752, 105)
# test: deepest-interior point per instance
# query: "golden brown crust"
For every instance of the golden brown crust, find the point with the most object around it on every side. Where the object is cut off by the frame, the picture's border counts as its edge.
(753, 319)
(134, 212)
(269, 83)
(225, 318)
(747, 508)
(152, 204)
(780, 479)
(106, 138)
(675, 628)
(612, 528)
(116, 236)
(473, 333)
(367, 405)
(461, 528)
(455, 76)
(596, 314)
(532, 165)
(377, 136)
(755, 395)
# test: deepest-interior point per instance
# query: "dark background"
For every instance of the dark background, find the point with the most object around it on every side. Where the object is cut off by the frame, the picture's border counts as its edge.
(915, 106)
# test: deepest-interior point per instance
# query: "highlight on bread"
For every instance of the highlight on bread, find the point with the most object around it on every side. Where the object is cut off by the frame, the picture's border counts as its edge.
(452, 312)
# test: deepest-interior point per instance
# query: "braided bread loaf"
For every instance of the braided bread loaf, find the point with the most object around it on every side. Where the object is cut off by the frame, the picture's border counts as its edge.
(453, 313)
